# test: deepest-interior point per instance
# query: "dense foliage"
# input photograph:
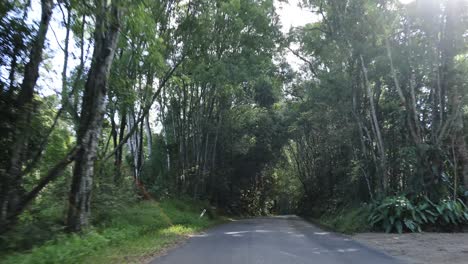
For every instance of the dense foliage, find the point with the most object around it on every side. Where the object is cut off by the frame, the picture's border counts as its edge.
(143, 100)
(399, 213)
(380, 108)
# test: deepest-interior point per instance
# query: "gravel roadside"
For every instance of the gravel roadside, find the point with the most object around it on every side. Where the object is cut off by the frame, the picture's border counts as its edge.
(421, 248)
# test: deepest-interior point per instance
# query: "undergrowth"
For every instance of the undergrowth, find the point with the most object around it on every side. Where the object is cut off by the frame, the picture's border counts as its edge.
(124, 235)
(399, 214)
(346, 220)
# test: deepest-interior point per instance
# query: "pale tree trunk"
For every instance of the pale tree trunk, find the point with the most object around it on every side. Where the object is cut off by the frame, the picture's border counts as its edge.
(93, 108)
(133, 141)
(149, 136)
(376, 128)
(67, 21)
(162, 104)
(362, 137)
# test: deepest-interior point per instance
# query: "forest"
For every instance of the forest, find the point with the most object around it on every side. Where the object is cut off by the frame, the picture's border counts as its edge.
(114, 107)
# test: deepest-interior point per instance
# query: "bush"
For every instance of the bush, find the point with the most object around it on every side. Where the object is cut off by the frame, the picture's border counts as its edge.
(394, 212)
(398, 213)
(452, 213)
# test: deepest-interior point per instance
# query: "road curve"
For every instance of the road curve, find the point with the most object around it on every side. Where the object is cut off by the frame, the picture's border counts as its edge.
(272, 240)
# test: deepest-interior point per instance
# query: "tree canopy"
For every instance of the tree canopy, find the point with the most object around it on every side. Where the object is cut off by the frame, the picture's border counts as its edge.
(169, 98)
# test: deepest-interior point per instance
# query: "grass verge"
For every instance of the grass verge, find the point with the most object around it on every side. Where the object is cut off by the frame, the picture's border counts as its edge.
(129, 235)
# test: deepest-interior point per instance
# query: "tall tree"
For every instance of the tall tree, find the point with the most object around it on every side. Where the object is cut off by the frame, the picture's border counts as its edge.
(12, 190)
(106, 33)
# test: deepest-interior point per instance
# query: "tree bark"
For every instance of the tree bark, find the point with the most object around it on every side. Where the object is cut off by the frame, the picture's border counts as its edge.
(134, 141)
(93, 108)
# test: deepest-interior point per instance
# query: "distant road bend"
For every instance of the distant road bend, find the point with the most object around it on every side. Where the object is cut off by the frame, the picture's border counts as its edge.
(272, 240)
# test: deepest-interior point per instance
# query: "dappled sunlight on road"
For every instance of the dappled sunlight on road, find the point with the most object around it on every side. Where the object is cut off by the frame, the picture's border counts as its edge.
(236, 232)
(321, 233)
(340, 250)
(177, 230)
(199, 235)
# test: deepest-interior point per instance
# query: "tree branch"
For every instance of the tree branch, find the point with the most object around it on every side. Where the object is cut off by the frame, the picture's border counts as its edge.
(146, 109)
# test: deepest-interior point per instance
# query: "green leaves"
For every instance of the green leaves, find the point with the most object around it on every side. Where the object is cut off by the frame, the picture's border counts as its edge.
(398, 213)
(394, 214)
(453, 213)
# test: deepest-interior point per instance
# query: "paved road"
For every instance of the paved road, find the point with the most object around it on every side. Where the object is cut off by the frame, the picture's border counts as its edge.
(272, 240)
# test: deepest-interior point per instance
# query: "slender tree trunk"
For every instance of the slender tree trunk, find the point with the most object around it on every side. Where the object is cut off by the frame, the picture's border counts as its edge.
(140, 150)
(149, 136)
(118, 155)
(213, 157)
(375, 124)
(164, 131)
(411, 122)
(459, 139)
(362, 141)
(134, 141)
(450, 47)
(93, 108)
(67, 21)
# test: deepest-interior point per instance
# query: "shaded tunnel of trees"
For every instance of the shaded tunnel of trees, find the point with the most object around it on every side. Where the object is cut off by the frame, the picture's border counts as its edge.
(171, 98)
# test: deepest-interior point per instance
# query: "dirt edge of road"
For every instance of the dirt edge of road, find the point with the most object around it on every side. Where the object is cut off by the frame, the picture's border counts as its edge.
(420, 248)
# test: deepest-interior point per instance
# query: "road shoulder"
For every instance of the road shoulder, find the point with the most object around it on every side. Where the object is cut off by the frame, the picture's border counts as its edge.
(420, 248)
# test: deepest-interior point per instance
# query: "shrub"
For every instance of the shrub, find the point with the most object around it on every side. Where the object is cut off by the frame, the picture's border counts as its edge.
(452, 213)
(398, 213)
(393, 213)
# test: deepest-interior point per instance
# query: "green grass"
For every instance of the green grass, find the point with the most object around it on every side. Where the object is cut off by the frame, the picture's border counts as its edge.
(127, 235)
(348, 220)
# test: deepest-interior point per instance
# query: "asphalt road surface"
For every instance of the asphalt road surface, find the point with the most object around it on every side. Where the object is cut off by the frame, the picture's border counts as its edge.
(272, 240)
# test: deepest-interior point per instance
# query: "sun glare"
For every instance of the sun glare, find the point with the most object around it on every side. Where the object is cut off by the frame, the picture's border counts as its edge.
(405, 2)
